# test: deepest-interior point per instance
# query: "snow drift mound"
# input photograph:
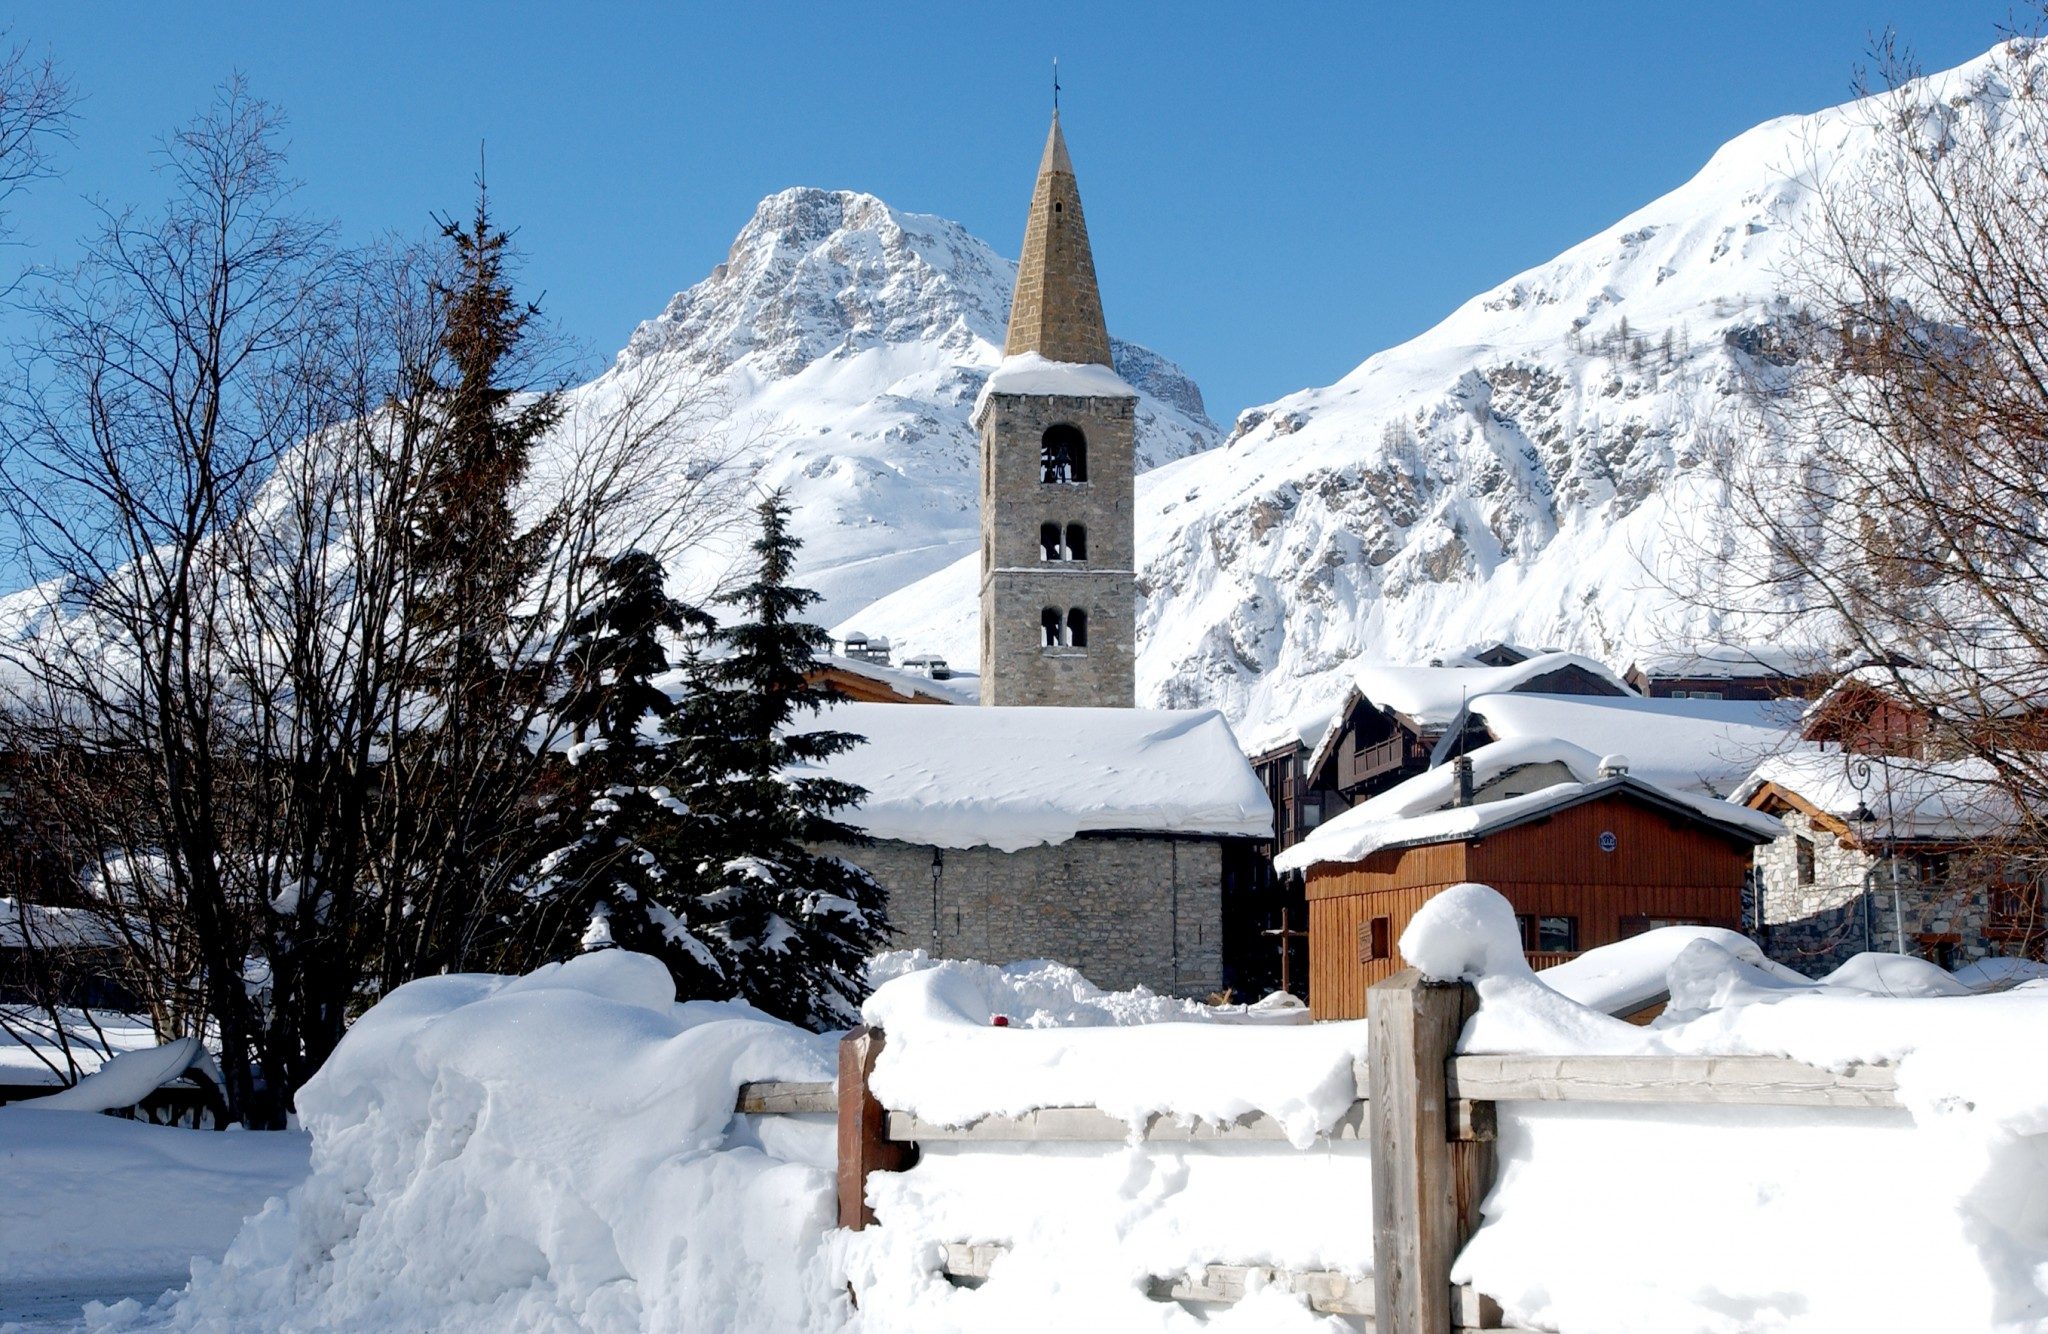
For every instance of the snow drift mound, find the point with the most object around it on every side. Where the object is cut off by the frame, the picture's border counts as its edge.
(557, 1151)
(1624, 1218)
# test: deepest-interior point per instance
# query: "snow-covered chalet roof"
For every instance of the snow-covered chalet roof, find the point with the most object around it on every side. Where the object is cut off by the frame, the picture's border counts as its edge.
(1704, 746)
(959, 688)
(1910, 798)
(1431, 697)
(1726, 661)
(1015, 778)
(1422, 809)
(1976, 694)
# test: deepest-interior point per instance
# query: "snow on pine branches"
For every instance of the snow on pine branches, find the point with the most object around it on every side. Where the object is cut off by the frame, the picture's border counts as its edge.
(684, 820)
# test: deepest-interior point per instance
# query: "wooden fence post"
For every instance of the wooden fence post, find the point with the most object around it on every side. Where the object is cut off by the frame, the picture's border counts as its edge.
(1430, 1165)
(864, 1145)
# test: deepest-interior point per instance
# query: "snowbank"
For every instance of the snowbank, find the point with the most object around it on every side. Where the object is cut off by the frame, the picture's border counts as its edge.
(1083, 1226)
(1132, 1054)
(552, 1151)
(1774, 1218)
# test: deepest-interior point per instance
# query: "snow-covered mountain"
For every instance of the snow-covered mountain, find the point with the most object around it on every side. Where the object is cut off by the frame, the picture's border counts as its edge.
(1524, 470)
(850, 340)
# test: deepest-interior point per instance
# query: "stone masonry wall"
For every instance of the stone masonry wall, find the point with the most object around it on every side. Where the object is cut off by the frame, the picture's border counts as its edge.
(1127, 910)
(1850, 908)
(1017, 584)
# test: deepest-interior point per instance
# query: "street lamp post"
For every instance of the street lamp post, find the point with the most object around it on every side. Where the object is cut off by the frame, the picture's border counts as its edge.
(1866, 821)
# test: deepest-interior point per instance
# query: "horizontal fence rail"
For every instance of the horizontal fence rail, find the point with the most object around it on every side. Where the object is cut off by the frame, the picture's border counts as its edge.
(1427, 1114)
(1745, 1081)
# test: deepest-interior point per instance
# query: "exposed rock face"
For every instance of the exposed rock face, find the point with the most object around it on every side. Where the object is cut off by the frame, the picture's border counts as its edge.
(851, 340)
(1544, 466)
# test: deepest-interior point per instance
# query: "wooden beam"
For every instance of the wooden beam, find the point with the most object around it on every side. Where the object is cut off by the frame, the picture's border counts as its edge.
(1089, 1125)
(1761, 1081)
(1327, 1290)
(864, 1146)
(1419, 1191)
(782, 1097)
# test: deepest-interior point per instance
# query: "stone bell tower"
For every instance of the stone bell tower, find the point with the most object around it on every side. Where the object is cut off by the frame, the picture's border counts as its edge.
(1058, 592)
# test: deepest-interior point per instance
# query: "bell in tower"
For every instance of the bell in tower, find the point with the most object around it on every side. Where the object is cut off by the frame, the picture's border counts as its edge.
(1057, 427)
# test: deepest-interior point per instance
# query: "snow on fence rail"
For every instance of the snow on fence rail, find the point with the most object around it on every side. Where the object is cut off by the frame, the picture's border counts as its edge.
(1427, 1112)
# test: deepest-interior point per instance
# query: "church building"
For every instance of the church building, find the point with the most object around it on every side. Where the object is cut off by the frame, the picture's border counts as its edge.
(1058, 430)
(1058, 821)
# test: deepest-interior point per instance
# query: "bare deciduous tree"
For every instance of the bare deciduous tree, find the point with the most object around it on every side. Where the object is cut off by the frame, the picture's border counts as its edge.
(1890, 480)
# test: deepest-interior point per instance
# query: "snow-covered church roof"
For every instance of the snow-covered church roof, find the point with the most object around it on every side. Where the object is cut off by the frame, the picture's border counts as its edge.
(1513, 782)
(1012, 778)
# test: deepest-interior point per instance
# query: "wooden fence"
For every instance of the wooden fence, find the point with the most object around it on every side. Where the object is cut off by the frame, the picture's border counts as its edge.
(1430, 1128)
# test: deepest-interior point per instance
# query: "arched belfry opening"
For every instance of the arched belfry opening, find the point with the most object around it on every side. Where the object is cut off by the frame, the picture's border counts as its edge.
(1062, 455)
(1058, 430)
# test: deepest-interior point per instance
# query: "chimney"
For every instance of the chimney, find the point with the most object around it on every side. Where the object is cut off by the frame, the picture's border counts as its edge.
(1613, 766)
(1462, 767)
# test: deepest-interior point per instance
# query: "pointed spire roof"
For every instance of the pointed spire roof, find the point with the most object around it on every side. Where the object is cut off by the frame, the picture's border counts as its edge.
(1056, 310)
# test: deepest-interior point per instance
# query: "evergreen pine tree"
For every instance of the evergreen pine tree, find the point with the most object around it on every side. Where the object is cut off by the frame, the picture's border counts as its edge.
(616, 793)
(794, 928)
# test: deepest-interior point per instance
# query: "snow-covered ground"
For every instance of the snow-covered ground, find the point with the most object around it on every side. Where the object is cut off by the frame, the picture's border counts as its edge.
(559, 1151)
(98, 1208)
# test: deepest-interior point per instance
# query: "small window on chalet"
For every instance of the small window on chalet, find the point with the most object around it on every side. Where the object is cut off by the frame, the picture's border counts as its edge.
(1803, 851)
(1548, 934)
(1051, 628)
(1077, 628)
(1933, 868)
(1062, 455)
(1077, 542)
(1049, 542)
(1375, 940)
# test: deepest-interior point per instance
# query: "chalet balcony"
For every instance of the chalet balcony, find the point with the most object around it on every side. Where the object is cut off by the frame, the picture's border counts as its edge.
(1369, 762)
(1541, 959)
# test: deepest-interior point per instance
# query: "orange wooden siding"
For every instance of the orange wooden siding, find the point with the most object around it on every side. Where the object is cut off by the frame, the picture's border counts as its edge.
(1662, 866)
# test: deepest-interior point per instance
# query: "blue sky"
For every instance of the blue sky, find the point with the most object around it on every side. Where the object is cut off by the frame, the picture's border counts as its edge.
(1275, 191)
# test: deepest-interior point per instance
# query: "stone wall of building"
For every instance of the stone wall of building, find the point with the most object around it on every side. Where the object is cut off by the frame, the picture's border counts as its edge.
(1127, 910)
(1849, 907)
(1018, 584)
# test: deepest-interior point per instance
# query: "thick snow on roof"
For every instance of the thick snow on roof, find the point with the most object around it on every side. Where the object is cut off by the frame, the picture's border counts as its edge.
(25, 925)
(1014, 778)
(1432, 696)
(1420, 810)
(1721, 661)
(1937, 799)
(959, 688)
(1706, 746)
(1975, 694)
(1030, 373)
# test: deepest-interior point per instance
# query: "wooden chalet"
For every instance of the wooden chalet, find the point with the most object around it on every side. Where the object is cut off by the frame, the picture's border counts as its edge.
(1392, 718)
(1733, 673)
(1585, 858)
(1868, 712)
(867, 682)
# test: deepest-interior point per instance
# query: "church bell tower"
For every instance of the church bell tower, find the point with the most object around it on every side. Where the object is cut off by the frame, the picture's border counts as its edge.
(1057, 427)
